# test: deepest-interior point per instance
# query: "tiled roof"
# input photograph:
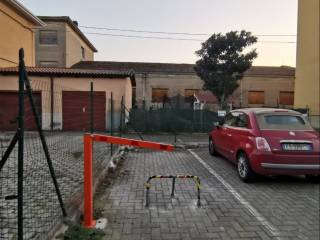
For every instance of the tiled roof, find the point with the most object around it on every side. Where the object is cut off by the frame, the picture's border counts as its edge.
(70, 72)
(138, 67)
(176, 68)
(71, 23)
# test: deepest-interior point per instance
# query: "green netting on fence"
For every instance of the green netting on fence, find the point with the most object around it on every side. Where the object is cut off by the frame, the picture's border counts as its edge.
(172, 120)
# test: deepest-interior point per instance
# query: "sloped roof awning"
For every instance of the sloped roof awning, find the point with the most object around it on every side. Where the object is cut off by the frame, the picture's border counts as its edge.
(69, 72)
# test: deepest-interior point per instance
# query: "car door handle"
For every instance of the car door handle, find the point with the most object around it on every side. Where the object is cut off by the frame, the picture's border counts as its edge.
(229, 135)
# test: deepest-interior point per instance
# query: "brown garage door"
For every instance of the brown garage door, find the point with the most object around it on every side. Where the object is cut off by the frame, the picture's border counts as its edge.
(76, 111)
(9, 111)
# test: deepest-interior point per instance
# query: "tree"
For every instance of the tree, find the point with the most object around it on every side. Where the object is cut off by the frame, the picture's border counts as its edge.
(223, 61)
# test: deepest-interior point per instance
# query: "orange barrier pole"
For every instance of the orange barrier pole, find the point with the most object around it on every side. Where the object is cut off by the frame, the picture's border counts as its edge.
(133, 142)
(88, 221)
(88, 140)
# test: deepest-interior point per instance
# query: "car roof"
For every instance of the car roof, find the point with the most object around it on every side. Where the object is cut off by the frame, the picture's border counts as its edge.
(266, 110)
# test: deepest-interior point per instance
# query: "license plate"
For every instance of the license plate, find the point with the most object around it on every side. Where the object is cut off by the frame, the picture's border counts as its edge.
(296, 147)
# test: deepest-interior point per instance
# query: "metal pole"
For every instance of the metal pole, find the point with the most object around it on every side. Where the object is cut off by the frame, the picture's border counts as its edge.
(91, 108)
(20, 144)
(88, 183)
(198, 188)
(121, 118)
(173, 183)
(111, 122)
(51, 102)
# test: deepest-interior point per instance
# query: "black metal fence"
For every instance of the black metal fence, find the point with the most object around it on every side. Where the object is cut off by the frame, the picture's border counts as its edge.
(172, 120)
(43, 174)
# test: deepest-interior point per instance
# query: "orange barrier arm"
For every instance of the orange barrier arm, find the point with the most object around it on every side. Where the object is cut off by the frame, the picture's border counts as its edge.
(88, 140)
(133, 142)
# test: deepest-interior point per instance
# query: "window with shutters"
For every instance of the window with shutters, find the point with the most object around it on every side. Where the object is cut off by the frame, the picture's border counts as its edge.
(48, 37)
(286, 98)
(256, 97)
(159, 95)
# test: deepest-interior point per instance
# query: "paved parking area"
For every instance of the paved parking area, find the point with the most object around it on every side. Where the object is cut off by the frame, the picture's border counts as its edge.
(272, 208)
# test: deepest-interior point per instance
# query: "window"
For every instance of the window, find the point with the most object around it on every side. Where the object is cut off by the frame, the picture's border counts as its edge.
(48, 63)
(242, 121)
(188, 94)
(159, 94)
(237, 119)
(82, 53)
(256, 97)
(282, 122)
(49, 37)
(286, 98)
(230, 119)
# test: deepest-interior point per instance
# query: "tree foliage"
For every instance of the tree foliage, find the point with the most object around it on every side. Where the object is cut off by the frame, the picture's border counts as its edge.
(223, 61)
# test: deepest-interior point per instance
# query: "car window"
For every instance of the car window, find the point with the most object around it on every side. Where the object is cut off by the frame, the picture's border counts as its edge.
(230, 119)
(242, 121)
(282, 122)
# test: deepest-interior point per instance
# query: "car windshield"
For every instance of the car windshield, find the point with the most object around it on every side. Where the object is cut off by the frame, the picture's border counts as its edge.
(270, 121)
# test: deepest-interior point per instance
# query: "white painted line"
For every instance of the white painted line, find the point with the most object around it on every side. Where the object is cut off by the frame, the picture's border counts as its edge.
(312, 200)
(269, 227)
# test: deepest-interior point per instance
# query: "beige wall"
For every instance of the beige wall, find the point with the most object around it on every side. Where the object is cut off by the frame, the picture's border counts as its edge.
(15, 33)
(307, 67)
(73, 48)
(177, 84)
(52, 52)
(271, 87)
(119, 87)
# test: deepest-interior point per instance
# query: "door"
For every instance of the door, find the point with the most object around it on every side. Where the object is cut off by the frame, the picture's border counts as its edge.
(76, 111)
(9, 107)
(223, 139)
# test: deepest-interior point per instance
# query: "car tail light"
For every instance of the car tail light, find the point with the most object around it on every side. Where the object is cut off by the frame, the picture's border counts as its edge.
(262, 144)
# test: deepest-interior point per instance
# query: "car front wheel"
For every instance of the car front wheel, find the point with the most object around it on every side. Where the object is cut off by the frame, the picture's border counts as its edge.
(245, 172)
(212, 150)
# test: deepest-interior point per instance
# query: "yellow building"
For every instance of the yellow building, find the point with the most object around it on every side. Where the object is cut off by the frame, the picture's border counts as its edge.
(307, 66)
(17, 30)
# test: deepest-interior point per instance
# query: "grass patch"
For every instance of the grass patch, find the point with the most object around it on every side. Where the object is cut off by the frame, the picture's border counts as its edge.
(77, 232)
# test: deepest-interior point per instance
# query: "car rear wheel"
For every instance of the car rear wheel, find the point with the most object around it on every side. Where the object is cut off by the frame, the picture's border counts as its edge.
(313, 178)
(212, 150)
(245, 172)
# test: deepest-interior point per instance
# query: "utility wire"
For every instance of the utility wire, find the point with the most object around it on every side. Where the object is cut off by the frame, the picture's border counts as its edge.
(176, 33)
(168, 38)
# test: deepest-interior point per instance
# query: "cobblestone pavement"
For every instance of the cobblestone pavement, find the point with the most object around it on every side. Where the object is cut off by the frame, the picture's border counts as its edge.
(41, 207)
(273, 208)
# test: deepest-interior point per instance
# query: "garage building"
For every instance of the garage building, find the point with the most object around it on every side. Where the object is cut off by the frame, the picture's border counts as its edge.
(62, 97)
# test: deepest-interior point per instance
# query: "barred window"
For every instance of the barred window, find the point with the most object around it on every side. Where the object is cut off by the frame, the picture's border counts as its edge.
(256, 97)
(159, 94)
(286, 98)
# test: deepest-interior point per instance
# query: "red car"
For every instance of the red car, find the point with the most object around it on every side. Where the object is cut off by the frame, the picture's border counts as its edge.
(266, 141)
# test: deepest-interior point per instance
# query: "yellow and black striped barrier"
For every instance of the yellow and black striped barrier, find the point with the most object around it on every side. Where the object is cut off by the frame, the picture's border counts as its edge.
(195, 178)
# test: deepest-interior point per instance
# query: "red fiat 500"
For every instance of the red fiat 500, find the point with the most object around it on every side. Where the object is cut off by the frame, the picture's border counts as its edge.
(267, 141)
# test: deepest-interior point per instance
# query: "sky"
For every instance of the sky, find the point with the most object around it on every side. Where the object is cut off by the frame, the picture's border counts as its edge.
(261, 17)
